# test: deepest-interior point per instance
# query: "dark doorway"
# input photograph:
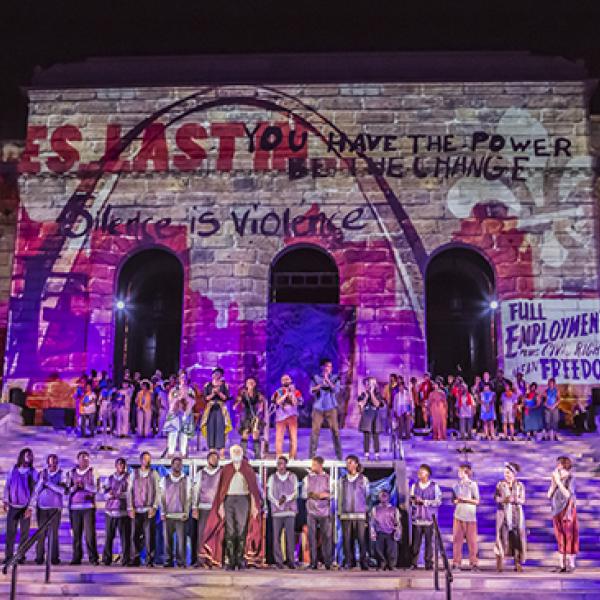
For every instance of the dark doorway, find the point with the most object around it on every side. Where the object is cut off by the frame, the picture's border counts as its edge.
(148, 324)
(305, 275)
(460, 320)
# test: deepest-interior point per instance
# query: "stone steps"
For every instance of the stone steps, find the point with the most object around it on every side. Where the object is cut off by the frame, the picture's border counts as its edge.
(160, 584)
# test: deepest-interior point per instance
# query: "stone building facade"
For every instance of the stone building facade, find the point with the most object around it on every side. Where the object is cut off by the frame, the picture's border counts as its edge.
(381, 175)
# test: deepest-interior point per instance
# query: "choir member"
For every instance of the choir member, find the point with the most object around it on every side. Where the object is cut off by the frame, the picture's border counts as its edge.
(317, 492)
(115, 488)
(286, 399)
(82, 509)
(282, 492)
(425, 498)
(18, 490)
(465, 496)
(353, 491)
(216, 422)
(175, 510)
(143, 497)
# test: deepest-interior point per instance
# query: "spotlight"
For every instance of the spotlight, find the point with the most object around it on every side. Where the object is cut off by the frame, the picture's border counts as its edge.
(120, 305)
(494, 304)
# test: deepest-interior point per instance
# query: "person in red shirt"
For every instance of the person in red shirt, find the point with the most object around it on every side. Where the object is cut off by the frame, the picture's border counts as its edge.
(421, 412)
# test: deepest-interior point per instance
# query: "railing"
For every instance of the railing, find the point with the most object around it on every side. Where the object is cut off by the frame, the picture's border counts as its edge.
(438, 545)
(24, 548)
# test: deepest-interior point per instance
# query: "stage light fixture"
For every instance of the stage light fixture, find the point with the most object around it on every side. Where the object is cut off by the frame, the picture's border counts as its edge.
(494, 304)
(120, 305)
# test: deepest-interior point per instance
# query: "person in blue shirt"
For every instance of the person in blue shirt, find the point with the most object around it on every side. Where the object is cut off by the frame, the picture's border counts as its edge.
(551, 411)
(325, 388)
(488, 411)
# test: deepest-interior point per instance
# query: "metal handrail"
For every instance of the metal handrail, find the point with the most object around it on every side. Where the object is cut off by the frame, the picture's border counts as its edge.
(438, 545)
(24, 548)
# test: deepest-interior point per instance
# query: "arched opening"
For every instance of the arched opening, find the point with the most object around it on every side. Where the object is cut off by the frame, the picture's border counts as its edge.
(460, 320)
(149, 313)
(304, 275)
(305, 320)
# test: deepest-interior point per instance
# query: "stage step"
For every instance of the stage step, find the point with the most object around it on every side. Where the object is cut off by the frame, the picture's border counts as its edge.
(161, 584)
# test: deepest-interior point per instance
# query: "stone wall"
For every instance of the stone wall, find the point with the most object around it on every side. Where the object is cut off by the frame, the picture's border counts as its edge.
(387, 176)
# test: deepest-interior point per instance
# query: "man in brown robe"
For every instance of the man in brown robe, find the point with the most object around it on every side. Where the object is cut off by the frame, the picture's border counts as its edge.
(234, 523)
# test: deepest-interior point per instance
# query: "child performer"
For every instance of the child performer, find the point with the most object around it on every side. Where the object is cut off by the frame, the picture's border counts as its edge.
(386, 532)
(564, 514)
(511, 535)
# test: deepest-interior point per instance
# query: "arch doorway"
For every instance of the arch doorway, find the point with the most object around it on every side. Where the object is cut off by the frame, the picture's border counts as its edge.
(304, 275)
(460, 321)
(148, 322)
(306, 322)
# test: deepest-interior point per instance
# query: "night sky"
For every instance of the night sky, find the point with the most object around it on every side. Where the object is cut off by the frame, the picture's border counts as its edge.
(44, 32)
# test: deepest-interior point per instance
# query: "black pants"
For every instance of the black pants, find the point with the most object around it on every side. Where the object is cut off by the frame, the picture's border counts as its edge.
(286, 524)
(420, 532)
(42, 515)
(202, 518)
(84, 521)
(324, 526)
(354, 530)
(367, 442)
(175, 527)
(236, 526)
(191, 531)
(123, 525)
(144, 536)
(16, 518)
(386, 549)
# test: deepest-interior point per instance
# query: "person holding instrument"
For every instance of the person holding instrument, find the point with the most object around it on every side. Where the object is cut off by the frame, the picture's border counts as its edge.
(286, 399)
(252, 421)
(216, 423)
(325, 388)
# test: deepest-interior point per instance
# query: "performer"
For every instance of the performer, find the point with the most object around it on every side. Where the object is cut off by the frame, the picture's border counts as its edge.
(179, 424)
(122, 404)
(48, 497)
(438, 409)
(175, 510)
(390, 390)
(353, 491)
(551, 410)
(564, 513)
(160, 406)
(511, 534)
(143, 498)
(87, 411)
(282, 491)
(371, 404)
(508, 402)
(325, 389)
(488, 411)
(386, 532)
(235, 516)
(18, 491)
(317, 492)
(105, 414)
(286, 399)
(465, 495)
(533, 412)
(82, 508)
(143, 403)
(252, 421)
(216, 423)
(465, 405)
(116, 518)
(203, 497)
(421, 413)
(403, 409)
(425, 498)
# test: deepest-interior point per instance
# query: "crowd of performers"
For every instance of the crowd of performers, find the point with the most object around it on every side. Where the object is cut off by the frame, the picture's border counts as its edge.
(491, 408)
(222, 508)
